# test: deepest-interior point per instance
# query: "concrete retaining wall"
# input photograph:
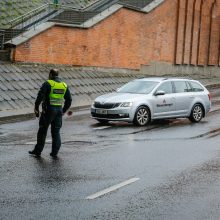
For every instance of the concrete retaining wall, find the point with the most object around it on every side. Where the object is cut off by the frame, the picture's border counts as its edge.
(160, 69)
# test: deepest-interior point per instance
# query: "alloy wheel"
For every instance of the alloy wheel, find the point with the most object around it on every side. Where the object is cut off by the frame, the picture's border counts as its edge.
(142, 116)
(196, 114)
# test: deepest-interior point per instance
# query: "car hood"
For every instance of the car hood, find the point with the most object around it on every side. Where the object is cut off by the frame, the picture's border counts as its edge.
(118, 97)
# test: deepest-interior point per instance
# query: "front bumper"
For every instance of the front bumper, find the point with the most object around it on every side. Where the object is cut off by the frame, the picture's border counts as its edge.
(118, 114)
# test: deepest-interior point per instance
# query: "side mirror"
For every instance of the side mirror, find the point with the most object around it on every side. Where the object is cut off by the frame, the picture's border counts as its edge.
(159, 92)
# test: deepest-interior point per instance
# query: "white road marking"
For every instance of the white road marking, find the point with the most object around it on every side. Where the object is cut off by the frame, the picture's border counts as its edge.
(112, 188)
(102, 127)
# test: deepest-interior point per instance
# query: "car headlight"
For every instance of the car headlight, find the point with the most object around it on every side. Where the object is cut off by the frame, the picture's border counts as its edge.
(126, 104)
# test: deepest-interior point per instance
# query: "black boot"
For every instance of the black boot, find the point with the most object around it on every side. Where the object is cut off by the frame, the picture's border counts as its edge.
(53, 155)
(33, 152)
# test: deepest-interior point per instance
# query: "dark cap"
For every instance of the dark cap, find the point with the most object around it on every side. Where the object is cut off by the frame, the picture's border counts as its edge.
(54, 72)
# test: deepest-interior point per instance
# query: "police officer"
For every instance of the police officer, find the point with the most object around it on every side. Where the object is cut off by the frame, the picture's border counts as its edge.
(53, 94)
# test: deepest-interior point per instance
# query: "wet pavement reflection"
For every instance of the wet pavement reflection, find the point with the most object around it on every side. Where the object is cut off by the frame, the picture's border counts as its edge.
(175, 160)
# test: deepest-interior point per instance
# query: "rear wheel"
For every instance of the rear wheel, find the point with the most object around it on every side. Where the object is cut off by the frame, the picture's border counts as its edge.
(142, 116)
(196, 113)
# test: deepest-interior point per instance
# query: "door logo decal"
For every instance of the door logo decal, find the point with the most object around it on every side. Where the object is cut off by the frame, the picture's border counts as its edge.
(164, 103)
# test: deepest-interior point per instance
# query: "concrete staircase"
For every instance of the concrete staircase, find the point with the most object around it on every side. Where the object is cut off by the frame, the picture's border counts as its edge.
(78, 17)
(74, 17)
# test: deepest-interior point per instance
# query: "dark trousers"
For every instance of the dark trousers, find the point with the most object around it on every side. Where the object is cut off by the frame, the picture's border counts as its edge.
(52, 116)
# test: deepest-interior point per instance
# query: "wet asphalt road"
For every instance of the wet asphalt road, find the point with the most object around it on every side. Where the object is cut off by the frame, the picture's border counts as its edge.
(177, 164)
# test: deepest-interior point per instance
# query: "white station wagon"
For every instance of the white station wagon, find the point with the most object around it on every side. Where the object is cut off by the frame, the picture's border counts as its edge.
(146, 99)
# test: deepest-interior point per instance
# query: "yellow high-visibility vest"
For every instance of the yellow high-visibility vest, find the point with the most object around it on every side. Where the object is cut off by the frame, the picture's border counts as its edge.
(58, 90)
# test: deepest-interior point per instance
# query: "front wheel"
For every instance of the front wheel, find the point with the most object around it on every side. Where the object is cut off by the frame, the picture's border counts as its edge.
(142, 116)
(196, 113)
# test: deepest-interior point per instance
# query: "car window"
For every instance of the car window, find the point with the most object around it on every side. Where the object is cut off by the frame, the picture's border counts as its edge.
(196, 87)
(166, 87)
(181, 86)
(138, 87)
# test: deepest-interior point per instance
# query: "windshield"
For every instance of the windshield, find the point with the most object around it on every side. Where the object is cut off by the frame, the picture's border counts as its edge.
(140, 87)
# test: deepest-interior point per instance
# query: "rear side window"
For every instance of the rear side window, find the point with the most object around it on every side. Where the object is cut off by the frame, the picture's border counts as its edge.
(196, 87)
(166, 87)
(181, 86)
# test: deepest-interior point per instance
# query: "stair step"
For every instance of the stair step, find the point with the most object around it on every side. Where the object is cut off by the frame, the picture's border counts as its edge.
(136, 3)
(74, 17)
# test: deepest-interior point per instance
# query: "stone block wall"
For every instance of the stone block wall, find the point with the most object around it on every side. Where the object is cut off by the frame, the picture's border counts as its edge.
(20, 83)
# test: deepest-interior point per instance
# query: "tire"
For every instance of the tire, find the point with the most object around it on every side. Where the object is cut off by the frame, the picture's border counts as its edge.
(142, 116)
(197, 113)
(102, 121)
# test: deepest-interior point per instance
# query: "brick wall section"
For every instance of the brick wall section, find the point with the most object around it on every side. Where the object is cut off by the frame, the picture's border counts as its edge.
(198, 32)
(177, 31)
(126, 39)
(181, 31)
(214, 38)
(188, 32)
(204, 33)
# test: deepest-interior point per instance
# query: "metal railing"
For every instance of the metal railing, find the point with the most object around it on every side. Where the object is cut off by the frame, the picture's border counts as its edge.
(57, 13)
(24, 22)
(7, 35)
(31, 19)
(19, 21)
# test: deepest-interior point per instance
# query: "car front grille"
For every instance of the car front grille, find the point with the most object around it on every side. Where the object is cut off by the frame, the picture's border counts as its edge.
(106, 105)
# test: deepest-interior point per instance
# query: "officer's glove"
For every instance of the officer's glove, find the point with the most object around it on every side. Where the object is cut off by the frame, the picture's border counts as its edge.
(69, 113)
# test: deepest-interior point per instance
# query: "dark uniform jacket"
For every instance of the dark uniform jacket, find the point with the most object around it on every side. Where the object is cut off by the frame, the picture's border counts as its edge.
(43, 96)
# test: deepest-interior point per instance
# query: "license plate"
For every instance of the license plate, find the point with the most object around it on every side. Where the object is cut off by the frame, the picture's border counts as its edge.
(102, 111)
